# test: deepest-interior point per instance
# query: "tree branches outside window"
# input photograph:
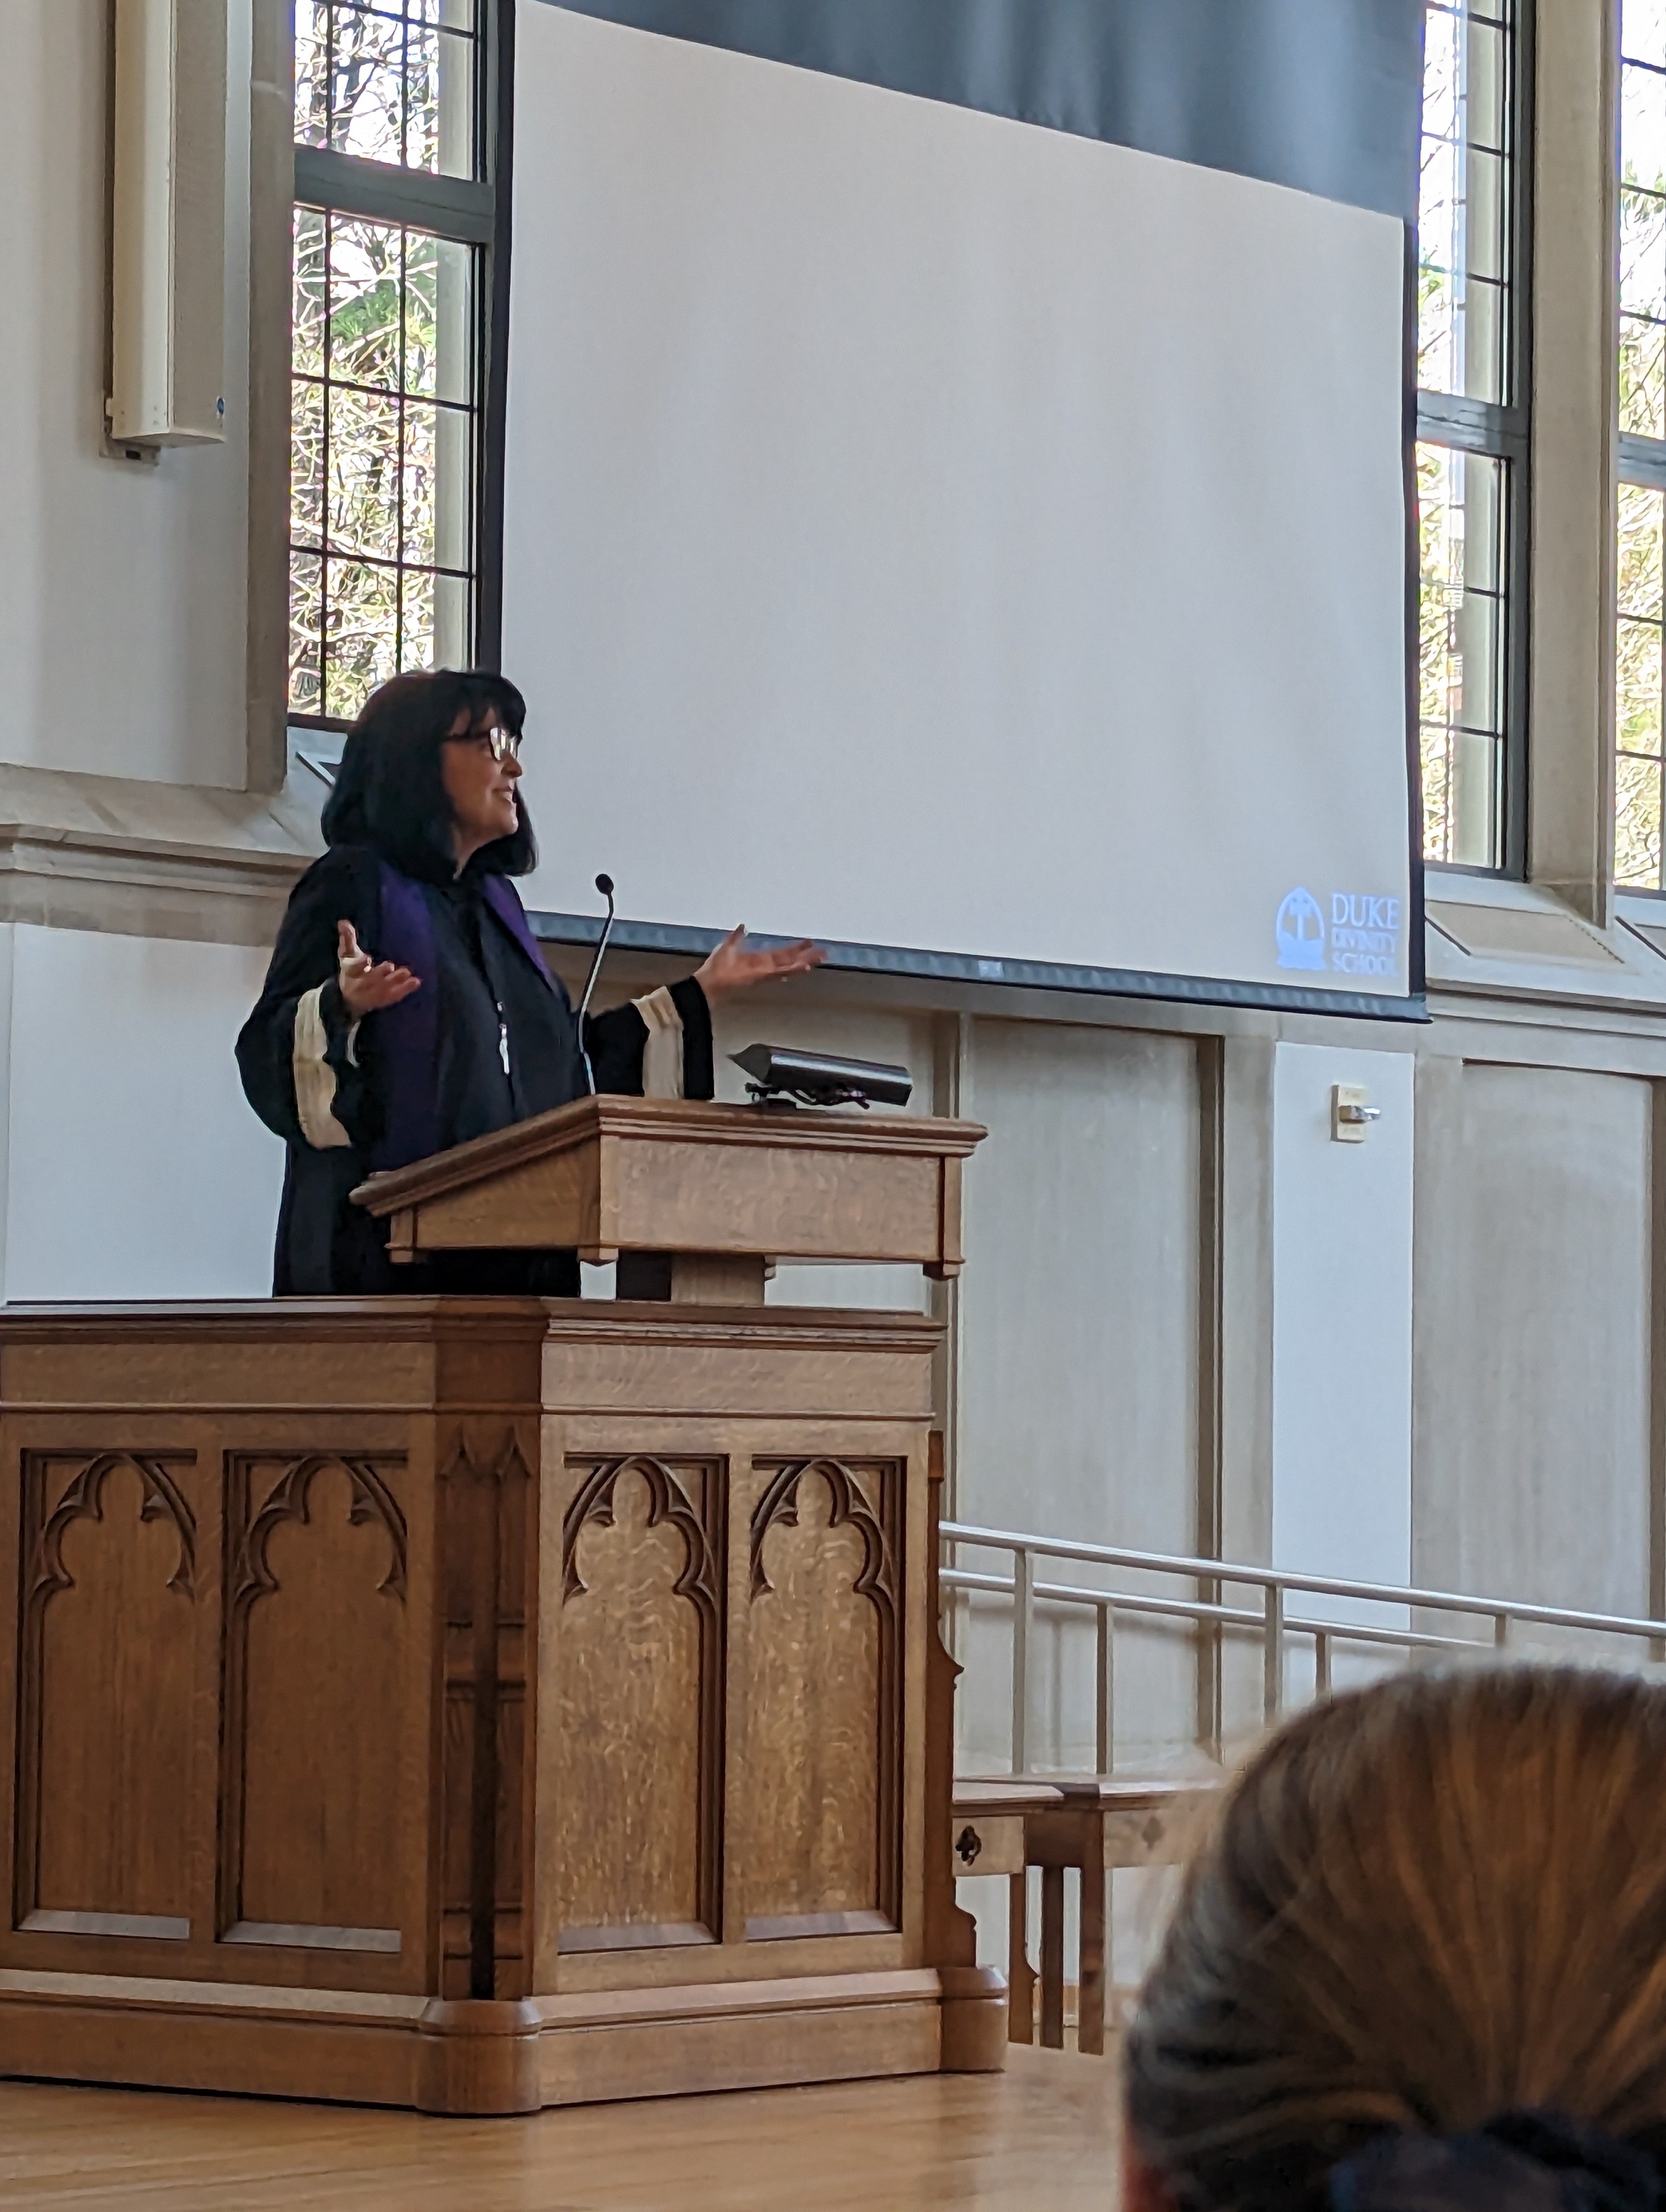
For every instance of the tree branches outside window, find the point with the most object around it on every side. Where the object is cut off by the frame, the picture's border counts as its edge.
(1472, 454)
(1642, 609)
(386, 344)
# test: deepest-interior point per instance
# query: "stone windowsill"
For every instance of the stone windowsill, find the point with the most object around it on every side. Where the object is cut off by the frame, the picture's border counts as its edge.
(152, 859)
(1491, 938)
(173, 860)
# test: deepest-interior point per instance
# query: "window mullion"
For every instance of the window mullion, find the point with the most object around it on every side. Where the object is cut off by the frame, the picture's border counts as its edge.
(450, 207)
(1474, 425)
(1643, 461)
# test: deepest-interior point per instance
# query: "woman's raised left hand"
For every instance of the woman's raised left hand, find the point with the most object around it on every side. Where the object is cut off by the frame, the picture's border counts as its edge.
(731, 967)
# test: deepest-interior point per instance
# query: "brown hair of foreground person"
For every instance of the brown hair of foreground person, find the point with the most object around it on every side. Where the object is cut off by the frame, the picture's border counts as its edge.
(1434, 1902)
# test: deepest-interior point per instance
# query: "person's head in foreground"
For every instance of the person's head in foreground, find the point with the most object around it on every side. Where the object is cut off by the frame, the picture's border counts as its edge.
(1420, 1965)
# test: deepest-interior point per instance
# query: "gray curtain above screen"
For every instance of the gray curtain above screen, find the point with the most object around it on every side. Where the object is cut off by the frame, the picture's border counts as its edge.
(1324, 95)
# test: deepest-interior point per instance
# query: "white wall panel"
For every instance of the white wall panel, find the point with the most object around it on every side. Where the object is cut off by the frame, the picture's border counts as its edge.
(1079, 1366)
(122, 588)
(1342, 1327)
(134, 1167)
(1533, 1375)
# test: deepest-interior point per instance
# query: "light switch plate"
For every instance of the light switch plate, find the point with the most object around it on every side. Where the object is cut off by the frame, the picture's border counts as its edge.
(1351, 1113)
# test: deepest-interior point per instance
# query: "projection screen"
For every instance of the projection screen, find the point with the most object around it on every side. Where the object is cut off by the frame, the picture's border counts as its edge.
(977, 544)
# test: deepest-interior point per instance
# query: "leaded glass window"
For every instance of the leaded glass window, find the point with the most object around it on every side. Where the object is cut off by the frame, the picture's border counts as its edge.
(1637, 767)
(390, 284)
(390, 83)
(1463, 668)
(1471, 451)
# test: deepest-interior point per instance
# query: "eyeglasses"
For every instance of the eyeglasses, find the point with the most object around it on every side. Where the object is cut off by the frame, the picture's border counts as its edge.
(505, 743)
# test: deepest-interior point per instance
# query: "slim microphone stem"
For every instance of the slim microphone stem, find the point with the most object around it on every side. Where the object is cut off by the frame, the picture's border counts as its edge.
(605, 884)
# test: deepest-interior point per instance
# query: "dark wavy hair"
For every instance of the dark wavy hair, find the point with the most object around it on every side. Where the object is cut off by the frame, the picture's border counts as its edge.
(389, 790)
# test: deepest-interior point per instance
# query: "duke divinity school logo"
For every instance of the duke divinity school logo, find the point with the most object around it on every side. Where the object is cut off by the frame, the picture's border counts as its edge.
(1301, 932)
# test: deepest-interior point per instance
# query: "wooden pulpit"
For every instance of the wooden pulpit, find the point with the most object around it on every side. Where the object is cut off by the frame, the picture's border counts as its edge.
(483, 1704)
(714, 1191)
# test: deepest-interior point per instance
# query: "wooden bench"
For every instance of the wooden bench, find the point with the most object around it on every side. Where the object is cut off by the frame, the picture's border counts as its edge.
(1006, 1825)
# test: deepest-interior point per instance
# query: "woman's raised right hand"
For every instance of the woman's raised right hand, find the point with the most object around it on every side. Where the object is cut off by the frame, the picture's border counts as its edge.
(369, 986)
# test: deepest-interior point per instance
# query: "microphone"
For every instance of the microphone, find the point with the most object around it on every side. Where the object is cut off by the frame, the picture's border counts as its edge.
(604, 886)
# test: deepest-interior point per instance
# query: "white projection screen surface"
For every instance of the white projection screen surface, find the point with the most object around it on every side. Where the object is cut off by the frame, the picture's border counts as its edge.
(928, 531)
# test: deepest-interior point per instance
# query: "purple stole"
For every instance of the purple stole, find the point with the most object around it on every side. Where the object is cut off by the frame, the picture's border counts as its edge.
(409, 1032)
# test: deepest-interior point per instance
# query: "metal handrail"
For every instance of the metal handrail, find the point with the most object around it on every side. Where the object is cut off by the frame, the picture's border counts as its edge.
(1231, 1616)
(1226, 1571)
(1272, 1619)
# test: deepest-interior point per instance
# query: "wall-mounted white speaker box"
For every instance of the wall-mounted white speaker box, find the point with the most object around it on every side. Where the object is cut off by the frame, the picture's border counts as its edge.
(169, 240)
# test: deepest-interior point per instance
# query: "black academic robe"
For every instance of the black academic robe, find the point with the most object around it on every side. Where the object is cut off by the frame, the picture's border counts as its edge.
(506, 1048)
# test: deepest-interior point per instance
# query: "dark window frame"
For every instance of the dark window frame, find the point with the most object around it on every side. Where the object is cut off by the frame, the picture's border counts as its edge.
(1504, 432)
(472, 212)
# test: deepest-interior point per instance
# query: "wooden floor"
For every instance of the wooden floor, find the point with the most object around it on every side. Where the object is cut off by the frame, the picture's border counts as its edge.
(1042, 2134)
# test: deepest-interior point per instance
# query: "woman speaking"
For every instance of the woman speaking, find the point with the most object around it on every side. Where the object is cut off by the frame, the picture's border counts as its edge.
(408, 1008)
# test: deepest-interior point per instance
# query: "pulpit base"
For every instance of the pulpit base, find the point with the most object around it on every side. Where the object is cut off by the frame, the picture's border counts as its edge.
(474, 1704)
(470, 2058)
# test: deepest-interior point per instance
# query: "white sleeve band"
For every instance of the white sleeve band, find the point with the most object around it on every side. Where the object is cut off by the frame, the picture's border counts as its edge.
(315, 1080)
(662, 1055)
